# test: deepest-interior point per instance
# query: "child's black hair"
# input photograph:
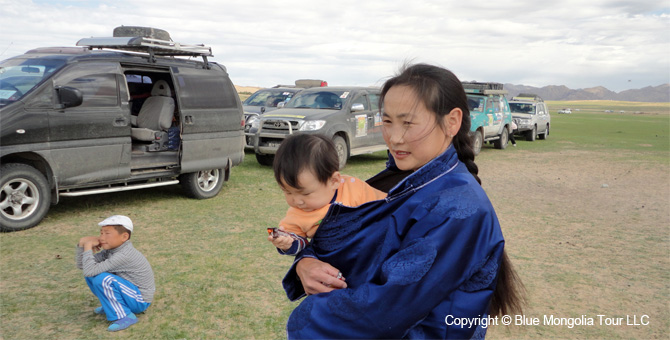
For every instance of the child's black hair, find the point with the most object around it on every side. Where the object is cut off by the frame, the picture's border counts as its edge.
(299, 152)
(121, 229)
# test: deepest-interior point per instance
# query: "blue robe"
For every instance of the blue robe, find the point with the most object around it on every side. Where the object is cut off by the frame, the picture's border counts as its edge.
(430, 250)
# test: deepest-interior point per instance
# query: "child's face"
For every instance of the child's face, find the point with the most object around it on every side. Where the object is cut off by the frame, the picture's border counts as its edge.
(110, 238)
(314, 194)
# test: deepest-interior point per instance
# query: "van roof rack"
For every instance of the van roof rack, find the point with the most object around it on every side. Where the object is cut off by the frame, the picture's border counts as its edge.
(154, 47)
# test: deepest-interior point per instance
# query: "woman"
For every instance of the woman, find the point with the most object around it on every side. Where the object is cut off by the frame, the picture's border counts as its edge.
(432, 252)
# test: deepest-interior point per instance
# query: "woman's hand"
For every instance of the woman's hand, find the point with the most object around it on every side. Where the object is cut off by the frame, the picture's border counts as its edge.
(319, 277)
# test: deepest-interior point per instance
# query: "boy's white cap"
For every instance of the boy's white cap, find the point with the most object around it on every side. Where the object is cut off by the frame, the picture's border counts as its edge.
(121, 220)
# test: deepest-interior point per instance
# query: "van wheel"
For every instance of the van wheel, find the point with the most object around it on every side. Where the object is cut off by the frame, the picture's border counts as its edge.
(24, 197)
(477, 142)
(265, 159)
(501, 143)
(342, 150)
(545, 135)
(202, 184)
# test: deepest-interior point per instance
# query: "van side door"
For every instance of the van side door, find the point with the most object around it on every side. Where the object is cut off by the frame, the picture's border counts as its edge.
(211, 118)
(90, 143)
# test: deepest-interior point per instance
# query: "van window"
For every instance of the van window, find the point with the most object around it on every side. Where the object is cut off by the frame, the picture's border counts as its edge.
(97, 81)
(205, 89)
(99, 90)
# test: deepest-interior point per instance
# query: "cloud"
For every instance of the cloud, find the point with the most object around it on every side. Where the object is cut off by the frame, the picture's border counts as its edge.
(565, 42)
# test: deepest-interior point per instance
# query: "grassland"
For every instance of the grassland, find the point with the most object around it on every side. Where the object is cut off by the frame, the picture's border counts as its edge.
(585, 215)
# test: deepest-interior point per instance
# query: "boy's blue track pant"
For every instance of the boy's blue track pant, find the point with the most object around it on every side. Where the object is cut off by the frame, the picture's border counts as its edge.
(119, 297)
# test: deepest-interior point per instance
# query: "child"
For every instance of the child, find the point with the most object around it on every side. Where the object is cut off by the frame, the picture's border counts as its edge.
(306, 169)
(119, 275)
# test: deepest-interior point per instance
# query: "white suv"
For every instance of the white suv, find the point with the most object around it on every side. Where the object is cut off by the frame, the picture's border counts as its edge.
(531, 116)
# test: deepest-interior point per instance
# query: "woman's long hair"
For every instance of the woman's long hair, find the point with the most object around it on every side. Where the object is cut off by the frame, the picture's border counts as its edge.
(441, 91)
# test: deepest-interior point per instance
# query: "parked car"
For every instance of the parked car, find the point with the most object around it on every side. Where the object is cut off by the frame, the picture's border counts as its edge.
(490, 116)
(531, 115)
(349, 115)
(262, 101)
(270, 99)
(86, 120)
(565, 111)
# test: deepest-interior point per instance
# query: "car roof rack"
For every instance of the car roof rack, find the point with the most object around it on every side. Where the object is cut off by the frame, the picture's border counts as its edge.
(153, 47)
(483, 88)
(528, 96)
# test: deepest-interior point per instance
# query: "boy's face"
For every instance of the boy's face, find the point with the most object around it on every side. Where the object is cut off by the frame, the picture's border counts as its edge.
(110, 238)
(314, 194)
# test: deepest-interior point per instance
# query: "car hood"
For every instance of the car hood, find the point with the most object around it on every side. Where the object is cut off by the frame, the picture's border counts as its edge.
(522, 115)
(257, 109)
(307, 114)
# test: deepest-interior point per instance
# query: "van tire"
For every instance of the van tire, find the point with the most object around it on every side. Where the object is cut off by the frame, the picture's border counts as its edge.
(342, 150)
(202, 184)
(477, 142)
(25, 197)
(503, 139)
(266, 160)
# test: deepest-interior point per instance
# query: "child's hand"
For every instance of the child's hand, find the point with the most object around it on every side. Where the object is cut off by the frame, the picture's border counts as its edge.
(281, 242)
(90, 243)
(280, 238)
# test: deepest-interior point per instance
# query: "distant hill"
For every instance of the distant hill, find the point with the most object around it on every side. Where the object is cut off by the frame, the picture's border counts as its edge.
(656, 94)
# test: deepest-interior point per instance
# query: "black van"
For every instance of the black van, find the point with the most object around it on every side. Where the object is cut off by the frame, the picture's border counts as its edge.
(85, 120)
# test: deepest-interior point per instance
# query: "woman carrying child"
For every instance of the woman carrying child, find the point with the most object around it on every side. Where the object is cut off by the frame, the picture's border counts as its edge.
(430, 252)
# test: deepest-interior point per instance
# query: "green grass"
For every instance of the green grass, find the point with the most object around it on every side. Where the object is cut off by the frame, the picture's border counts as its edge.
(217, 276)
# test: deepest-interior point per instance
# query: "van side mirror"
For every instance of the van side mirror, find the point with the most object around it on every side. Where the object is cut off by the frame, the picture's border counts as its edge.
(69, 96)
(280, 105)
(357, 107)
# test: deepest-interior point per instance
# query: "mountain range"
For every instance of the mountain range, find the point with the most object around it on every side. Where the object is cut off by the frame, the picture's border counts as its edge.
(657, 94)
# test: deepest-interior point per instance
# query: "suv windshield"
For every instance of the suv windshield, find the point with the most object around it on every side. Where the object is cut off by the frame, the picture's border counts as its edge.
(268, 98)
(522, 108)
(319, 100)
(20, 76)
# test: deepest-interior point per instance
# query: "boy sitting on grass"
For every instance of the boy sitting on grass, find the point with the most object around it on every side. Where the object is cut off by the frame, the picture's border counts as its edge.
(119, 275)
(306, 169)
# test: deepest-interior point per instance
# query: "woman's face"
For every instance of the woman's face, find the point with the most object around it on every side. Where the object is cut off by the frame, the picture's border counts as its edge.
(411, 130)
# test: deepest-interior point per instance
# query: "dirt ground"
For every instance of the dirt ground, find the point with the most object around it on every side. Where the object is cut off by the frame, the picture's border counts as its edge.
(589, 233)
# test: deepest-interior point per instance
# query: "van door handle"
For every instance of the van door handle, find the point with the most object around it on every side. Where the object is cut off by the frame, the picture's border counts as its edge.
(121, 122)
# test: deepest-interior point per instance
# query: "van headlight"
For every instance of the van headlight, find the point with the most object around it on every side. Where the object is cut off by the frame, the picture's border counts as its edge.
(312, 125)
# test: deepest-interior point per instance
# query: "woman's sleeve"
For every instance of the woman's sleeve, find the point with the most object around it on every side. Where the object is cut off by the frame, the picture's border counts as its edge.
(291, 282)
(439, 255)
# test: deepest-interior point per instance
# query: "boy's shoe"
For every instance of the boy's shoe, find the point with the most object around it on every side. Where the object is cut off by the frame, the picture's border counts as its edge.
(99, 310)
(123, 323)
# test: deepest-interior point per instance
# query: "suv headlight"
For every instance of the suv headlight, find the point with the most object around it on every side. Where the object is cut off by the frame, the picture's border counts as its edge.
(312, 125)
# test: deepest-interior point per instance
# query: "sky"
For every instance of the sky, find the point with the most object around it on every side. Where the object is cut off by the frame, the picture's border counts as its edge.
(618, 44)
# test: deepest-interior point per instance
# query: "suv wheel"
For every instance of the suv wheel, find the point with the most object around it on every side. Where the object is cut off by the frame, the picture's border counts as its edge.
(24, 197)
(342, 150)
(501, 143)
(265, 159)
(477, 142)
(202, 184)
(530, 135)
(545, 135)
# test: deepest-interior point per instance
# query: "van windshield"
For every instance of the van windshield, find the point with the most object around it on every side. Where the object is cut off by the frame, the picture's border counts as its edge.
(18, 76)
